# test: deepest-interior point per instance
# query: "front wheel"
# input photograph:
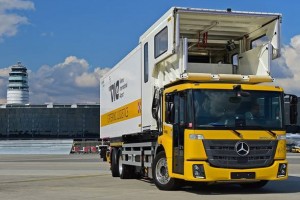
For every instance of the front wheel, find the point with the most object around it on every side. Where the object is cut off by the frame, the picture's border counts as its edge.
(160, 173)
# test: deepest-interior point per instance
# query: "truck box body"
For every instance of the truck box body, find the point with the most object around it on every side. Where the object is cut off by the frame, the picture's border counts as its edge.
(120, 97)
(124, 90)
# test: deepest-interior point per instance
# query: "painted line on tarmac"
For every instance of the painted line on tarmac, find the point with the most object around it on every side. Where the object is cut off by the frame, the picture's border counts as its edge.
(294, 175)
(53, 179)
(293, 157)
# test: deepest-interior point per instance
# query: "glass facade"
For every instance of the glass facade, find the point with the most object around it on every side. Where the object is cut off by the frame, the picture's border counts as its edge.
(47, 122)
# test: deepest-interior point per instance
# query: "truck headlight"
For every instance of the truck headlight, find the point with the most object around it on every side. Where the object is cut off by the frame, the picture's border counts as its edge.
(198, 171)
(282, 170)
(196, 137)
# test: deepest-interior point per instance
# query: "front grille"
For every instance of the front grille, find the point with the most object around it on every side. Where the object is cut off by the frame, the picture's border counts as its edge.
(222, 153)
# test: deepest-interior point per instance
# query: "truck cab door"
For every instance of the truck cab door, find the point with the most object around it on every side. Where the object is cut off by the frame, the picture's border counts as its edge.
(178, 132)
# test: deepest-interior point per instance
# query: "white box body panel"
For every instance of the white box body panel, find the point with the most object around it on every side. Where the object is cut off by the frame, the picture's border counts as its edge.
(120, 97)
(191, 45)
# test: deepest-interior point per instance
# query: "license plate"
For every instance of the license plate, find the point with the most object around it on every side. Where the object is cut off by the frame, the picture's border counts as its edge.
(242, 175)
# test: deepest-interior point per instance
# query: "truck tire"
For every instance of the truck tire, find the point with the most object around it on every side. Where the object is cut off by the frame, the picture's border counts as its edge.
(125, 171)
(115, 163)
(103, 154)
(160, 174)
(254, 185)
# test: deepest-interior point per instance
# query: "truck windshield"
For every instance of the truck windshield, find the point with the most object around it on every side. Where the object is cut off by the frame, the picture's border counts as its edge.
(225, 108)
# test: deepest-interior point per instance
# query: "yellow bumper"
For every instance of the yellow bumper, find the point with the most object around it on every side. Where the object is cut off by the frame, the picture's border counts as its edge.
(214, 174)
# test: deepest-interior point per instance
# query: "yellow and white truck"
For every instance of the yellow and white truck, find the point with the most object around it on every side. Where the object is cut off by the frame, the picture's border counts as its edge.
(193, 101)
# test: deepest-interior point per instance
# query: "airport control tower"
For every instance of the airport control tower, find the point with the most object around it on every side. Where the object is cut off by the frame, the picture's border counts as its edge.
(18, 90)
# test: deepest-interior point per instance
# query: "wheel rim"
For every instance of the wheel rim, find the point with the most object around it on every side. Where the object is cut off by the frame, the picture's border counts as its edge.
(161, 171)
(120, 164)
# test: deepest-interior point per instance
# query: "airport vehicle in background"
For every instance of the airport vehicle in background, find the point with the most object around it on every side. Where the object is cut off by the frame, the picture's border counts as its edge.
(289, 147)
(296, 149)
(189, 103)
(102, 149)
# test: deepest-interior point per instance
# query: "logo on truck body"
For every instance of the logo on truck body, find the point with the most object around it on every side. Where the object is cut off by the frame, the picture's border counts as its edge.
(114, 91)
(117, 89)
(242, 148)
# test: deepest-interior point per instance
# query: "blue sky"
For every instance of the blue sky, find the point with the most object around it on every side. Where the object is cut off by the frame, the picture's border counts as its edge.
(48, 35)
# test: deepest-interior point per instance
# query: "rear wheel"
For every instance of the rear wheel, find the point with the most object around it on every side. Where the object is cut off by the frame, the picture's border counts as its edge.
(125, 171)
(103, 152)
(254, 185)
(160, 174)
(115, 163)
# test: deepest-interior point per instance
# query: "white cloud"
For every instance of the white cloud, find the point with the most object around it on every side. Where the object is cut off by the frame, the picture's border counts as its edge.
(4, 73)
(10, 22)
(286, 70)
(15, 4)
(71, 81)
(90, 79)
(68, 82)
(87, 80)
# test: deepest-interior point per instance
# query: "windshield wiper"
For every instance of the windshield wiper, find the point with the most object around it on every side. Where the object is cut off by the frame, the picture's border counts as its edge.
(237, 133)
(272, 133)
(228, 128)
(234, 131)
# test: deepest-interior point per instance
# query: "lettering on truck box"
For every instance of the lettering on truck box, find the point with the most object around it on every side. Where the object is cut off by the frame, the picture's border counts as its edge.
(123, 113)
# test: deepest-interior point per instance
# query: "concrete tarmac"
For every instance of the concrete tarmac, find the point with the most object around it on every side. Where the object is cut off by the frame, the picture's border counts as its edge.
(85, 177)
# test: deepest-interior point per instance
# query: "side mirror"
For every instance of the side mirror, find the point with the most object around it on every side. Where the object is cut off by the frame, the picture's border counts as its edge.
(156, 103)
(293, 109)
(239, 92)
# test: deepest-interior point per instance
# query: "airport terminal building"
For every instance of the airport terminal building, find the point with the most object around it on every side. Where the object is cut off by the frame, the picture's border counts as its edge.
(49, 121)
(21, 120)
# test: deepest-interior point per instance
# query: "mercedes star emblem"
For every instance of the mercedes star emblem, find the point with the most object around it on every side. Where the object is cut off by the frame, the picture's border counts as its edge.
(242, 148)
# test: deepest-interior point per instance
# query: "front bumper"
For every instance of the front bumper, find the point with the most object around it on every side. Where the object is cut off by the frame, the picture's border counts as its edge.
(213, 174)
